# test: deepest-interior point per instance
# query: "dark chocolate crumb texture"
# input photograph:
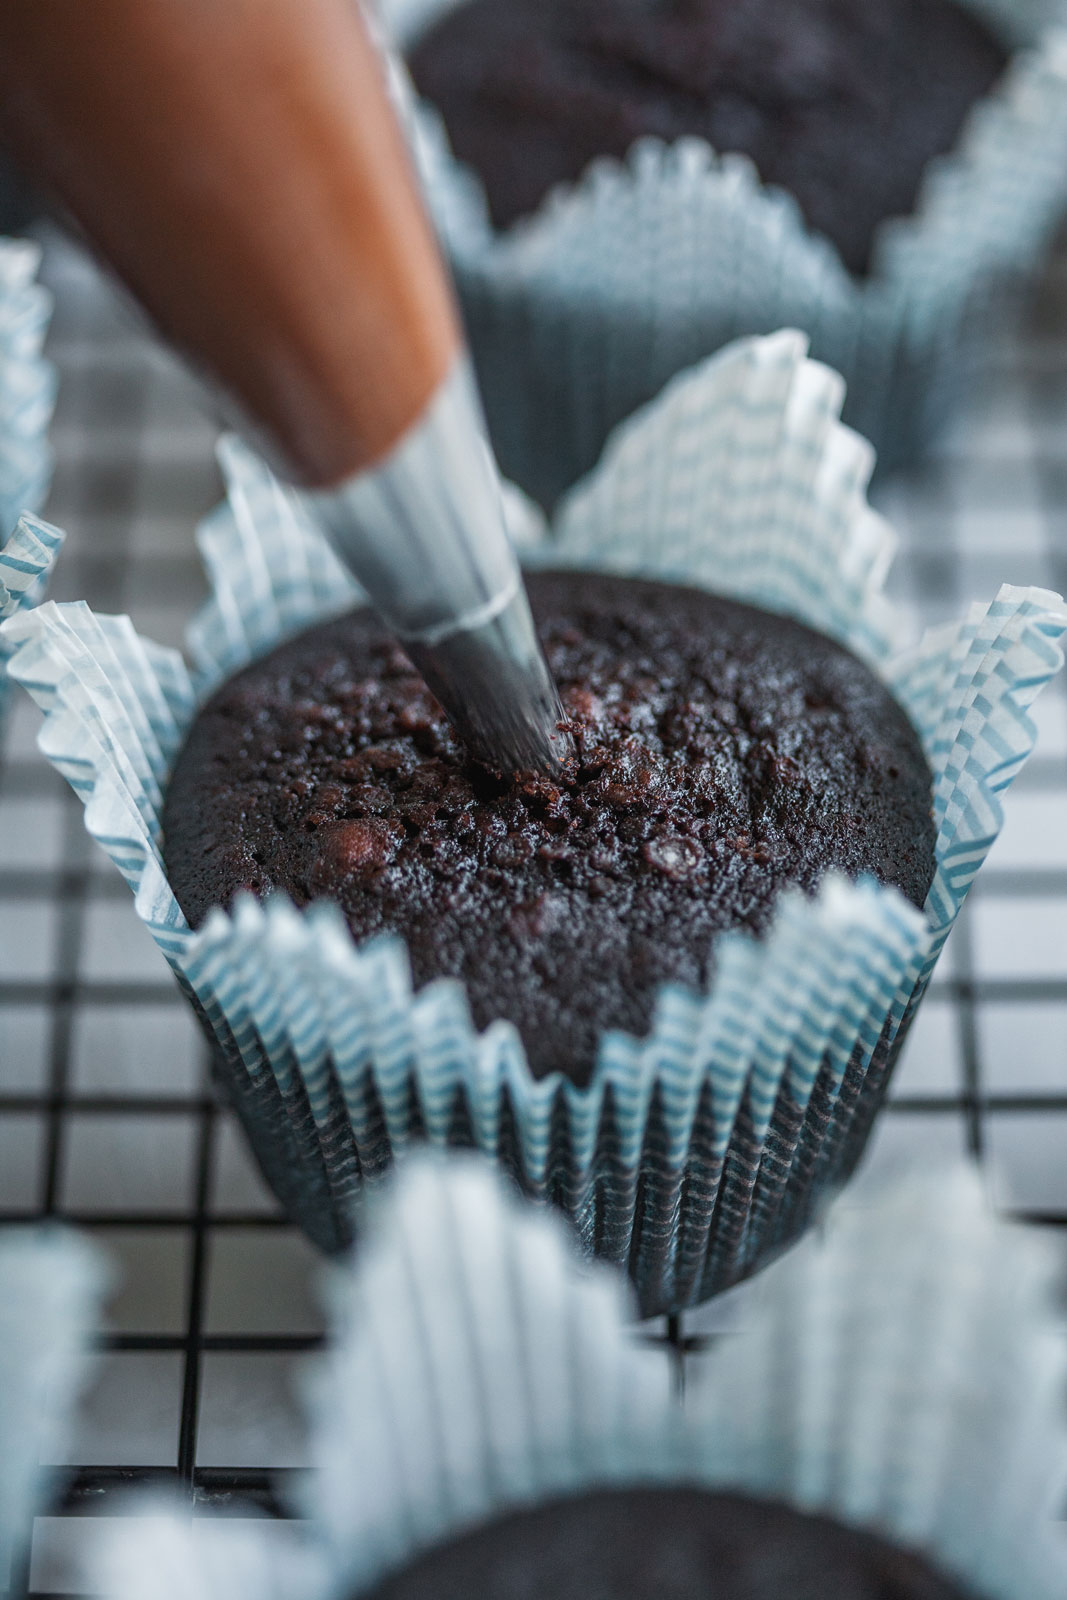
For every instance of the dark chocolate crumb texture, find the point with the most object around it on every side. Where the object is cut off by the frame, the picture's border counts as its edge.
(842, 102)
(665, 1544)
(722, 753)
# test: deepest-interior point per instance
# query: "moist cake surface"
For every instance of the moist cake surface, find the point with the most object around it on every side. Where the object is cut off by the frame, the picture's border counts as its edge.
(722, 755)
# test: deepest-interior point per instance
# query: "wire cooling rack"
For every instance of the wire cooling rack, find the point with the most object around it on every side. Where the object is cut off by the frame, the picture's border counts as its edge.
(107, 1119)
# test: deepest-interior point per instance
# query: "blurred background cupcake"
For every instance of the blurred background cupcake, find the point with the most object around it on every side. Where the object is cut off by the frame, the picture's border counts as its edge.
(27, 383)
(690, 1154)
(20, 203)
(889, 1423)
(51, 1286)
(622, 188)
(27, 398)
(26, 560)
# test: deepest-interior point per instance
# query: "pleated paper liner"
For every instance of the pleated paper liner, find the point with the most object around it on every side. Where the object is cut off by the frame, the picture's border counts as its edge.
(582, 312)
(694, 1154)
(26, 561)
(27, 399)
(27, 383)
(51, 1285)
(905, 1375)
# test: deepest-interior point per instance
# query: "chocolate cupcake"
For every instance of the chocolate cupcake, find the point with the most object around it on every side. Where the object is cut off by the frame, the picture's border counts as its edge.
(723, 754)
(842, 103)
(623, 187)
(885, 1425)
(689, 1128)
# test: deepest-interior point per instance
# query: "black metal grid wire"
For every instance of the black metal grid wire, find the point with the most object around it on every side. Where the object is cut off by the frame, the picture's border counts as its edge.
(107, 1117)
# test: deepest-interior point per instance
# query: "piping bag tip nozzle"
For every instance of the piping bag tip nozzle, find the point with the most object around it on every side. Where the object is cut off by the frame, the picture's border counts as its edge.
(494, 683)
(425, 533)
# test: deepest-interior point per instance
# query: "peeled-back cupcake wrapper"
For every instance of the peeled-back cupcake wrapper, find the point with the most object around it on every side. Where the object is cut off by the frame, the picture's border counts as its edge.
(27, 399)
(903, 1374)
(698, 1151)
(582, 312)
(50, 1290)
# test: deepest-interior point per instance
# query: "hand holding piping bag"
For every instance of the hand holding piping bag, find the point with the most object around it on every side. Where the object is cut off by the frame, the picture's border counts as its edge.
(239, 164)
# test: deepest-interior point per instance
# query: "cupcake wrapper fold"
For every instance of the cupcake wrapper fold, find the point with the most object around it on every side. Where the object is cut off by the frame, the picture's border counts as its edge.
(695, 1153)
(28, 548)
(908, 1377)
(27, 383)
(26, 563)
(50, 1290)
(903, 1374)
(583, 311)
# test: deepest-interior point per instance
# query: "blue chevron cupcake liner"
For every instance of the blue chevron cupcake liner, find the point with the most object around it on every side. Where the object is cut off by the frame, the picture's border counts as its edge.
(582, 312)
(698, 1152)
(51, 1285)
(26, 562)
(27, 383)
(904, 1375)
(27, 398)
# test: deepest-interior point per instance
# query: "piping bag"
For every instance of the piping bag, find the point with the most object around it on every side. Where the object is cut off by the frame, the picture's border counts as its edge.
(240, 165)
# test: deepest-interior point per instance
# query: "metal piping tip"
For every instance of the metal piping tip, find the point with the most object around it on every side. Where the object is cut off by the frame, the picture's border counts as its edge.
(494, 683)
(425, 534)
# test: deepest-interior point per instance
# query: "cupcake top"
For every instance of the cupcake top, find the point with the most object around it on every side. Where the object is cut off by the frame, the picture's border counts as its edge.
(842, 102)
(672, 1543)
(723, 754)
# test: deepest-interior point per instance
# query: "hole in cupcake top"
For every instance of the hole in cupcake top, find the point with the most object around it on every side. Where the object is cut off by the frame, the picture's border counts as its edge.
(721, 755)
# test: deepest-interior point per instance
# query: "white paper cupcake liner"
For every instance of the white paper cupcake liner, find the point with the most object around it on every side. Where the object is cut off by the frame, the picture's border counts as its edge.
(27, 399)
(904, 1375)
(582, 312)
(26, 561)
(697, 1152)
(51, 1285)
(27, 383)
